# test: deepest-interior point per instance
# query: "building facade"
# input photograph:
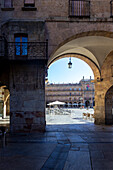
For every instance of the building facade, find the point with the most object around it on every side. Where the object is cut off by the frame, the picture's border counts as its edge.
(34, 34)
(74, 95)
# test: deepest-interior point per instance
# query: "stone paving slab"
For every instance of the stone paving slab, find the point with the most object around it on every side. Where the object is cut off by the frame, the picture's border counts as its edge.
(78, 160)
(57, 158)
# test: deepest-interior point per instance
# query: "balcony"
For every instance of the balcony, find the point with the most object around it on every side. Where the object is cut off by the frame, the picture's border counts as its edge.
(23, 51)
(79, 8)
(63, 95)
(27, 50)
(68, 90)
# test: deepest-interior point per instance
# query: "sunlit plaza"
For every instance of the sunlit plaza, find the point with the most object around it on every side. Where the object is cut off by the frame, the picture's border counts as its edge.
(69, 116)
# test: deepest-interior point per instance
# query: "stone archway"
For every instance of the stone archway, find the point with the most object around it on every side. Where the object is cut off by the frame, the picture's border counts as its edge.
(93, 50)
(87, 60)
(109, 106)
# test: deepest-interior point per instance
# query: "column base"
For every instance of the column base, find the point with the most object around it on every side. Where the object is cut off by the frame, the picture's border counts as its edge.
(27, 122)
(99, 121)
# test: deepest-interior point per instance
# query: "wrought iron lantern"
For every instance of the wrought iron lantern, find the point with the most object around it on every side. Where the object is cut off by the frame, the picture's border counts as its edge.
(70, 63)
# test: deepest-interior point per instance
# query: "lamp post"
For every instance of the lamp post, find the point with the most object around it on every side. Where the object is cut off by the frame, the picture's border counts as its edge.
(70, 63)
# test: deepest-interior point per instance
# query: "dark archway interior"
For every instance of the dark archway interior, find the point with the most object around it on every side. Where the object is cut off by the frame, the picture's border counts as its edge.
(87, 103)
(109, 107)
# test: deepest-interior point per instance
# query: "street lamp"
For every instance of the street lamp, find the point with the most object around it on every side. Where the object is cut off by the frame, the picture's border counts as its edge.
(70, 63)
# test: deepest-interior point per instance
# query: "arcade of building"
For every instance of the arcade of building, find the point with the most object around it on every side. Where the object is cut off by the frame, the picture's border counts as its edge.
(34, 34)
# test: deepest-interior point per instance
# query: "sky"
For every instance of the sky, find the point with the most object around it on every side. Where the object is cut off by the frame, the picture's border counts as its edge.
(59, 72)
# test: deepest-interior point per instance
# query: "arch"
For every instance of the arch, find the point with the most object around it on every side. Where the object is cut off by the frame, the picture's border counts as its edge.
(78, 34)
(97, 53)
(69, 104)
(109, 106)
(79, 104)
(75, 104)
(88, 33)
(4, 102)
(91, 45)
(106, 70)
(87, 103)
(66, 104)
(93, 66)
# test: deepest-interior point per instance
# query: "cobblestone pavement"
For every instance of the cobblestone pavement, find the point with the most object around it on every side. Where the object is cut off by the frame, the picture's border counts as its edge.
(78, 146)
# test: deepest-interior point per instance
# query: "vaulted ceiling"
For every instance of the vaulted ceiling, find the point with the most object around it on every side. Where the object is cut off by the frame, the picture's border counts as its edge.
(96, 48)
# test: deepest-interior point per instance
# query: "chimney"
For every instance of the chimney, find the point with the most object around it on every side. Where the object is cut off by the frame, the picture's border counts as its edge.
(90, 77)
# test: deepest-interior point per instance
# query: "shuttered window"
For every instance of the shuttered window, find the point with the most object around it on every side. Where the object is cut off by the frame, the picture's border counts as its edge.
(79, 8)
(8, 3)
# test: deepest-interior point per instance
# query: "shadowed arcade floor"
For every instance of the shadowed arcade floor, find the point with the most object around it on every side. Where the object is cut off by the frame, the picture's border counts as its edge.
(62, 147)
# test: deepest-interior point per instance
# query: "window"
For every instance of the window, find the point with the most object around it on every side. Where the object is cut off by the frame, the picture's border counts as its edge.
(21, 45)
(87, 87)
(111, 6)
(75, 89)
(70, 88)
(29, 3)
(79, 89)
(79, 8)
(8, 4)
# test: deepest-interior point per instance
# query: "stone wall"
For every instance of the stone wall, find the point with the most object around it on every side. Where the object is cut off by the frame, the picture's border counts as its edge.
(25, 79)
(101, 89)
(35, 30)
(27, 96)
(99, 9)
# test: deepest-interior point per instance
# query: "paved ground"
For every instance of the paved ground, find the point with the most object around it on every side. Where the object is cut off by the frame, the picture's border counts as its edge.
(77, 146)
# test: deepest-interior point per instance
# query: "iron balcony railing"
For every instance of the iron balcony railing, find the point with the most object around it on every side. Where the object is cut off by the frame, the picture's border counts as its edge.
(79, 8)
(87, 98)
(62, 95)
(111, 8)
(68, 90)
(27, 50)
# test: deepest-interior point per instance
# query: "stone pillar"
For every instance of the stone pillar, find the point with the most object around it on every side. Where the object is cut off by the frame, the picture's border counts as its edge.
(27, 96)
(99, 103)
